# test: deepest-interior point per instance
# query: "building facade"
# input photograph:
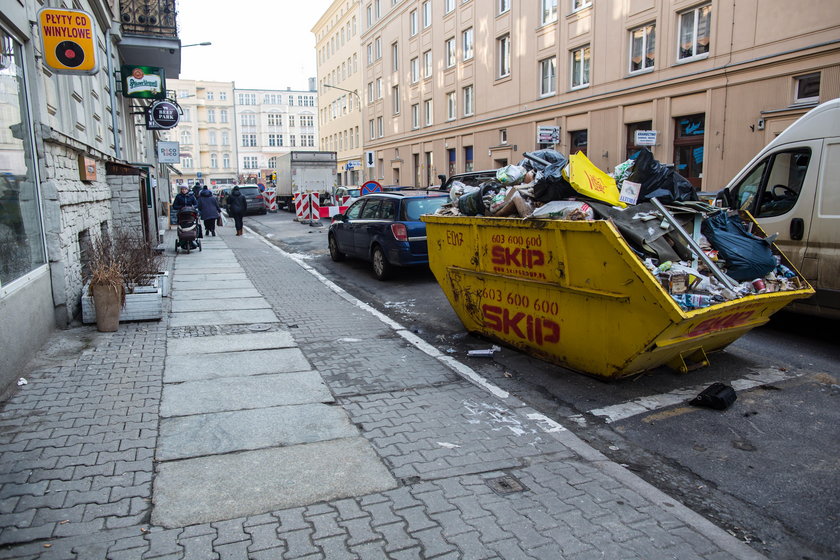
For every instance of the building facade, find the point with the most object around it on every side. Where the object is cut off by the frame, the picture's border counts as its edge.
(270, 123)
(337, 44)
(206, 133)
(76, 160)
(455, 85)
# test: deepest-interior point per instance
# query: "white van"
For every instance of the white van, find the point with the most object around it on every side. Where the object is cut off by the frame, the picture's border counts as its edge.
(792, 187)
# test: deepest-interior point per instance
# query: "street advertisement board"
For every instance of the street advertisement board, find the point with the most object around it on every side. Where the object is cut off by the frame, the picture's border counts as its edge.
(143, 82)
(68, 40)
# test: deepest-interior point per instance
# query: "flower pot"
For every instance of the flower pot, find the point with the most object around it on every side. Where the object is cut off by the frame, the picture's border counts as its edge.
(108, 303)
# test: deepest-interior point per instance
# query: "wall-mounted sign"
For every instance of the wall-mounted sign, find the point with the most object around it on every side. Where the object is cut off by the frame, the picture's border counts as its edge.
(68, 39)
(548, 135)
(369, 159)
(143, 82)
(87, 168)
(162, 115)
(645, 138)
(352, 164)
(169, 152)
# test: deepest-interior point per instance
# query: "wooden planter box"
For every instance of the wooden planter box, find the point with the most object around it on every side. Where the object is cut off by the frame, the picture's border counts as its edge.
(144, 304)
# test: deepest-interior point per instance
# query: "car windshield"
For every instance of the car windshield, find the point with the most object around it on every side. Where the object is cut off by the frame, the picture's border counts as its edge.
(416, 207)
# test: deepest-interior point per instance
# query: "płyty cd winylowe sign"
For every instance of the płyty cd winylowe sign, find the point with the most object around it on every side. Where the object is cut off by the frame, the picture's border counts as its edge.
(162, 115)
(68, 38)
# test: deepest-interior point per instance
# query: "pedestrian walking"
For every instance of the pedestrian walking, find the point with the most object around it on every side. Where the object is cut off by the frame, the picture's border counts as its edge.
(237, 206)
(209, 209)
(184, 198)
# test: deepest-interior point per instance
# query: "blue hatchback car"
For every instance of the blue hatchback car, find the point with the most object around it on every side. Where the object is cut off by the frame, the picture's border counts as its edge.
(385, 229)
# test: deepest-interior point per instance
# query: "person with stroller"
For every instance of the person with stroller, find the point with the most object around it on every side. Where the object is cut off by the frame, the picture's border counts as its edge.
(209, 209)
(184, 198)
(237, 207)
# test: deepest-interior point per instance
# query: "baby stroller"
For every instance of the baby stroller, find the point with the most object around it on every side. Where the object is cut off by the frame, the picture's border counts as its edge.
(189, 230)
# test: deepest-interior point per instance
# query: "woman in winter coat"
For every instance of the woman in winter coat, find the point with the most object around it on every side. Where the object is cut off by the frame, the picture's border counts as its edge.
(209, 209)
(237, 206)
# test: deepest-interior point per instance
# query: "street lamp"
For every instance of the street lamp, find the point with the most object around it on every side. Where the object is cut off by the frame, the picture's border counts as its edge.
(204, 44)
(348, 91)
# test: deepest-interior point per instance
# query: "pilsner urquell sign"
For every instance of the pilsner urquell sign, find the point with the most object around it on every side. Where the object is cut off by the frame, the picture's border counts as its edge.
(144, 82)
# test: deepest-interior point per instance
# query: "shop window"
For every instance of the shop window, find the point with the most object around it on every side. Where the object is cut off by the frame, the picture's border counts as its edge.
(450, 157)
(468, 159)
(688, 147)
(578, 141)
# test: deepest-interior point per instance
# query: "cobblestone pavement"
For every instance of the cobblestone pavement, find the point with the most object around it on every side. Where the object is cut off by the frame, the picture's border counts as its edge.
(480, 474)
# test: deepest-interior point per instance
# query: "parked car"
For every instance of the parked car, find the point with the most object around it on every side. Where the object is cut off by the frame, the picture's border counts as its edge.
(222, 195)
(385, 229)
(254, 198)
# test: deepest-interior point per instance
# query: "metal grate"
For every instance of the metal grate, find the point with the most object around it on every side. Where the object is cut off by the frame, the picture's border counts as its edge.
(148, 17)
(505, 485)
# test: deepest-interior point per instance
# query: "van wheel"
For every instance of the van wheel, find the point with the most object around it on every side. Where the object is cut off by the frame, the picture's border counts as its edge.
(382, 269)
(335, 254)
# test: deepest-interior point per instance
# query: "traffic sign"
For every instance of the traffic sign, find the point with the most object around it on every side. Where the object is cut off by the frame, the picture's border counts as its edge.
(68, 38)
(369, 159)
(370, 187)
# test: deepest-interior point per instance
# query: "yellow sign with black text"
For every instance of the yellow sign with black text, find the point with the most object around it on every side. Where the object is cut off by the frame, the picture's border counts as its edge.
(68, 38)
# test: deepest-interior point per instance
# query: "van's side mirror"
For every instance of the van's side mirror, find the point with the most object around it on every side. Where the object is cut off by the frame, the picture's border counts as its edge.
(724, 198)
(442, 178)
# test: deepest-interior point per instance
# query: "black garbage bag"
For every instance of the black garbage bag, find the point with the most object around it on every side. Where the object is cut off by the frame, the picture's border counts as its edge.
(473, 204)
(747, 257)
(549, 156)
(659, 180)
(551, 185)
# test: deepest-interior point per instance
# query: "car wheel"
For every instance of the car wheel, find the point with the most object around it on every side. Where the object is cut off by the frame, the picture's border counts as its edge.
(382, 269)
(335, 254)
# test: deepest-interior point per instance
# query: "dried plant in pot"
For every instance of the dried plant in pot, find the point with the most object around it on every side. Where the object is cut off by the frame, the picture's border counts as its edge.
(118, 263)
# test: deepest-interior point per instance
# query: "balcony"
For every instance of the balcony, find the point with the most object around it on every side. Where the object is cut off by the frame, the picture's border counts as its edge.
(150, 35)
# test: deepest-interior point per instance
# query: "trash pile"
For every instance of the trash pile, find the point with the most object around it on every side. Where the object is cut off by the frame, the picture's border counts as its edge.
(699, 253)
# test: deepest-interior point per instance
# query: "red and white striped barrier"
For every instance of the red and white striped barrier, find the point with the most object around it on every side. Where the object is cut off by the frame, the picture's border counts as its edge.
(270, 196)
(307, 207)
(341, 208)
(297, 200)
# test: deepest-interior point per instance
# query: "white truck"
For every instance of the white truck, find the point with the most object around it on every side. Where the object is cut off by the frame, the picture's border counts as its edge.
(304, 172)
(792, 187)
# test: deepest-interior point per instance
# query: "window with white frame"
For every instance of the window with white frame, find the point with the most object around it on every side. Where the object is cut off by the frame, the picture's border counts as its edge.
(225, 138)
(272, 162)
(695, 28)
(209, 95)
(448, 6)
(249, 140)
(395, 57)
(371, 129)
(503, 54)
(275, 119)
(224, 115)
(807, 88)
(504, 6)
(415, 116)
(580, 4)
(580, 67)
(186, 137)
(211, 115)
(427, 13)
(226, 161)
(222, 96)
(211, 137)
(548, 11)
(187, 162)
(377, 47)
(548, 76)
(214, 161)
(275, 140)
(379, 88)
(369, 15)
(642, 48)
(370, 92)
(415, 70)
(427, 64)
(307, 140)
(249, 162)
(248, 119)
(377, 8)
(412, 23)
(468, 101)
(451, 106)
(449, 52)
(187, 115)
(395, 96)
(370, 53)
(427, 112)
(380, 127)
(291, 120)
(468, 43)
(292, 140)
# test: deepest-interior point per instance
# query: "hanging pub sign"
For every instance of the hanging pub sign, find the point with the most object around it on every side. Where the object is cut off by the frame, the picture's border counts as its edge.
(143, 82)
(162, 115)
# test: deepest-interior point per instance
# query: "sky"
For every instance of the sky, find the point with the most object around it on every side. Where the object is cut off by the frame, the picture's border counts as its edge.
(259, 44)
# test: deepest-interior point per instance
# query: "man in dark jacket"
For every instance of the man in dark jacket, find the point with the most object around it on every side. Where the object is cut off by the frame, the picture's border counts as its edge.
(209, 209)
(237, 207)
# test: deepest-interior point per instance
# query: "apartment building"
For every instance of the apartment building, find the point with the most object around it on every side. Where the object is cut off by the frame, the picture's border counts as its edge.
(270, 123)
(206, 133)
(455, 85)
(337, 43)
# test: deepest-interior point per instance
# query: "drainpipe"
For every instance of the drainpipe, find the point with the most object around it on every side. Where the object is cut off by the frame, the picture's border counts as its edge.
(112, 87)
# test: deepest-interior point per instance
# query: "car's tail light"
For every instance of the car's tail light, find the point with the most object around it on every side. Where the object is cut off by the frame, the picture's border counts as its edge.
(259, 197)
(400, 232)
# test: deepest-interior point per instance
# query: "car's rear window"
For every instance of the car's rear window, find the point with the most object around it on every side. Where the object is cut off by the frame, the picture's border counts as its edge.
(249, 191)
(416, 207)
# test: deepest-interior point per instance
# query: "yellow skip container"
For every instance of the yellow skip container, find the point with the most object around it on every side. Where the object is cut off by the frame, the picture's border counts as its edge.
(574, 293)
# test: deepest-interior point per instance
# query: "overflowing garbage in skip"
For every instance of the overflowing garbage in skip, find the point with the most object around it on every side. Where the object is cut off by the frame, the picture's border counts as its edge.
(699, 253)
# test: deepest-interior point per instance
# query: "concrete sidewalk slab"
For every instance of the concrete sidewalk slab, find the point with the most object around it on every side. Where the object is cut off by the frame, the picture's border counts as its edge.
(230, 343)
(185, 285)
(192, 276)
(218, 304)
(193, 367)
(216, 293)
(243, 393)
(243, 317)
(231, 268)
(208, 489)
(182, 437)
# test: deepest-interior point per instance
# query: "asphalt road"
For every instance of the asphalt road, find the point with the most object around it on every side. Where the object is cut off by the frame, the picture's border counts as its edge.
(767, 469)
